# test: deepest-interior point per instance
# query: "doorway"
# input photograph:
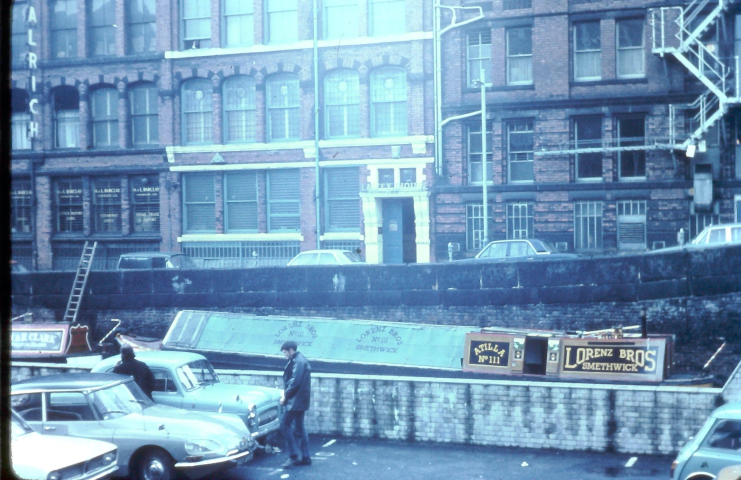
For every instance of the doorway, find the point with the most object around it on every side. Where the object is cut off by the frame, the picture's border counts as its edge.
(536, 349)
(399, 232)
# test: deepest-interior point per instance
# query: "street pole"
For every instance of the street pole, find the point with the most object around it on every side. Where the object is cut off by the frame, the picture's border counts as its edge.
(484, 168)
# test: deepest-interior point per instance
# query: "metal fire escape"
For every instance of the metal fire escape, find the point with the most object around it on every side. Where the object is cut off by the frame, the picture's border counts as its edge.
(677, 31)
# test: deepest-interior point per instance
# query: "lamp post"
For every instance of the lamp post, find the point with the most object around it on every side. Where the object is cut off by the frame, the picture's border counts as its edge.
(484, 168)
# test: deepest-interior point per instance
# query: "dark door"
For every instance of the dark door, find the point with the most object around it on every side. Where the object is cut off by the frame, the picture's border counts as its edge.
(393, 231)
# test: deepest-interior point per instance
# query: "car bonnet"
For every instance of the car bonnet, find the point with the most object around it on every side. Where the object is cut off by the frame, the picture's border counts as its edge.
(190, 423)
(240, 397)
(53, 453)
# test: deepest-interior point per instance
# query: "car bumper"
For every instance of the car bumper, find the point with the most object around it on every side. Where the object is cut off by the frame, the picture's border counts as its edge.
(103, 474)
(196, 470)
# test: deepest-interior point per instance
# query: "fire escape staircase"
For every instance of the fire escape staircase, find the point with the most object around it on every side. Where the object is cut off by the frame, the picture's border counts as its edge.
(677, 32)
(78, 287)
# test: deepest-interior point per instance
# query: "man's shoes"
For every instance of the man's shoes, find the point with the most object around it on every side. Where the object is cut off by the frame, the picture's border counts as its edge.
(304, 461)
(291, 462)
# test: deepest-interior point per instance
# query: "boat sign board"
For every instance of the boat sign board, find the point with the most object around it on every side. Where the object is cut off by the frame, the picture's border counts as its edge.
(639, 359)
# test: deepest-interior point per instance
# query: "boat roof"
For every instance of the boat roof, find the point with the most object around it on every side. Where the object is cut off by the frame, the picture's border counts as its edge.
(68, 381)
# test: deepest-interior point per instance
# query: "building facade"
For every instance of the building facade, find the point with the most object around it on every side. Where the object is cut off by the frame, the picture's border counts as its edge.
(611, 124)
(245, 132)
(225, 129)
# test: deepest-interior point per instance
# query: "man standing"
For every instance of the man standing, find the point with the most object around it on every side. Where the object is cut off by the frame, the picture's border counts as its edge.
(295, 399)
(139, 370)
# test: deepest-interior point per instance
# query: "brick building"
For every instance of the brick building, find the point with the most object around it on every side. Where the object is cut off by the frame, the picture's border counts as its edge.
(595, 143)
(229, 130)
(200, 125)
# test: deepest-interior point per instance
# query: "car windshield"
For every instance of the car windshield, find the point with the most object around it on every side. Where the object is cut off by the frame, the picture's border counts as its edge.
(702, 238)
(18, 427)
(196, 374)
(353, 257)
(120, 400)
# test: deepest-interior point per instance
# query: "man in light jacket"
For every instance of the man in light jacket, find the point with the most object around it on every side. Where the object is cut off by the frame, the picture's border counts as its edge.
(295, 400)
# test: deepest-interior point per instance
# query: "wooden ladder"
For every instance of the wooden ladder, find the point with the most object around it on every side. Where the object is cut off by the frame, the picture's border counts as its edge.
(78, 287)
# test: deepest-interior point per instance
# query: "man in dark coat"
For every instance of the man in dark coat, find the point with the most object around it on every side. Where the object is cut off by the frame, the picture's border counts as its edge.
(139, 370)
(295, 400)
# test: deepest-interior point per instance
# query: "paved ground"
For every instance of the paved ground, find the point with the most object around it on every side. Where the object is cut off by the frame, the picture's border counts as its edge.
(353, 459)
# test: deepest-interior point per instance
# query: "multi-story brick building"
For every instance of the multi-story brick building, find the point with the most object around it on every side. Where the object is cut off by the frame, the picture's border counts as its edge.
(231, 131)
(226, 129)
(593, 147)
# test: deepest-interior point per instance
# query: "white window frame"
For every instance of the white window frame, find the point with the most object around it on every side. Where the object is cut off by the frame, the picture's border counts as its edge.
(523, 58)
(638, 49)
(519, 214)
(592, 221)
(282, 106)
(285, 13)
(475, 172)
(245, 109)
(238, 23)
(520, 157)
(585, 53)
(109, 120)
(346, 102)
(478, 56)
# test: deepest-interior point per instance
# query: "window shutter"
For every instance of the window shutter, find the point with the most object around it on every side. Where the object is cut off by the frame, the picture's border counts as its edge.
(284, 202)
(343, 199)
(632, 233)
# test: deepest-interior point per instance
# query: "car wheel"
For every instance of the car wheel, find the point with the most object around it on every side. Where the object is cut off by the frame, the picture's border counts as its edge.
(155, 465)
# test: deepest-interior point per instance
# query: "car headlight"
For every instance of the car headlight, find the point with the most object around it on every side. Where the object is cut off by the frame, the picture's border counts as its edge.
(109, 457)
(54, 476)
(252, 419)
(202, 446)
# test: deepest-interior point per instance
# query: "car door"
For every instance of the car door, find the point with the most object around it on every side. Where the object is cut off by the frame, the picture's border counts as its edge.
(717, 236)
(720, 449)
(70, 413)
(520, 249)
(166, 390)
(495, 251)
(327, 258)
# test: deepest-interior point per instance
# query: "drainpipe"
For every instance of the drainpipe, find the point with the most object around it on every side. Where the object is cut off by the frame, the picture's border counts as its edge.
(317, 182)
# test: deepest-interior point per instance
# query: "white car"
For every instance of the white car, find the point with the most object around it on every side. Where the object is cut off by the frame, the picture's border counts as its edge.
(325, 257)
(42, 457)
(719, 235)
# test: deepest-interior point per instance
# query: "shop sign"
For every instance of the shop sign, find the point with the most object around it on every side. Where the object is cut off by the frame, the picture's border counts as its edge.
(32, 64)
(35, 341)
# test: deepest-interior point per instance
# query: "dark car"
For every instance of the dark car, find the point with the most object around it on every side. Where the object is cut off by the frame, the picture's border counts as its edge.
(154, 260)
(520, 249)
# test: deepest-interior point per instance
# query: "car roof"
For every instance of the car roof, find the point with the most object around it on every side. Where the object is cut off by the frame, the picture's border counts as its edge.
(150, 254)
(728, 411)
(328, 250)
(163, 358)
(721, 225)
(69, 381)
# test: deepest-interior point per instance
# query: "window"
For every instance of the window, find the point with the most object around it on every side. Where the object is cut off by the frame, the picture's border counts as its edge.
(144, 115)
(388, 102)
(19, 42)
(631, 224)
(588, 134)
(407, 176)
(239, 109)
(631, 133)
(340, 19)
(163, 381)
(630, 54)
(519, 220)
(65, 101)
(20, 120)
(282, 21)
(342, 104)
(475, 174)
(68, 199)
(587, 225)
(283, 107)
(587, 51)
(238, 23)
(284, 200)
(196, 25)
(200, 203)
(698, 221)
(387, 17)
(102, 27)
(21, 204)
(240, 195)
(475, 226)
(342, 199)
(478, 56)
(145, 203)
(141, 16)
(516, 4)
(520, 151)
(105, 117)
(197, 112)
(68, 406)
(64, 28)
(726, 436)
(520, 56)
(107, 205)
(386, 177)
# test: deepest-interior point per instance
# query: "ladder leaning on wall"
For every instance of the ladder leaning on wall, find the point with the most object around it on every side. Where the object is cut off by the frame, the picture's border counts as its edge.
(78, 287)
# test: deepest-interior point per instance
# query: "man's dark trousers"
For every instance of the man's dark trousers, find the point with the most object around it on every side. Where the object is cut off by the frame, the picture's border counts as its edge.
(292, 428)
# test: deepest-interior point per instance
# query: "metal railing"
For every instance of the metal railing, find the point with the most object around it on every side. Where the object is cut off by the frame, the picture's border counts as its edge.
(241, 254)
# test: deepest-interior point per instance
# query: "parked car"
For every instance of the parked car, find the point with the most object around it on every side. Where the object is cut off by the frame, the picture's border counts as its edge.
(520, 249)
(155, 442)
(187, 380)
(718, 235)
(44, 457)
(154, 260)
(325, 257)
(715, 447)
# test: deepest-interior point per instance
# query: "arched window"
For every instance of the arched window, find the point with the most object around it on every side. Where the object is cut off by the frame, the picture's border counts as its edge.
(144, 114)
(239, 109)
(66, 107)
(388, 102)
(283, 107)
(197, 112)
(342, 104)
(105, 117)
(21, 117)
